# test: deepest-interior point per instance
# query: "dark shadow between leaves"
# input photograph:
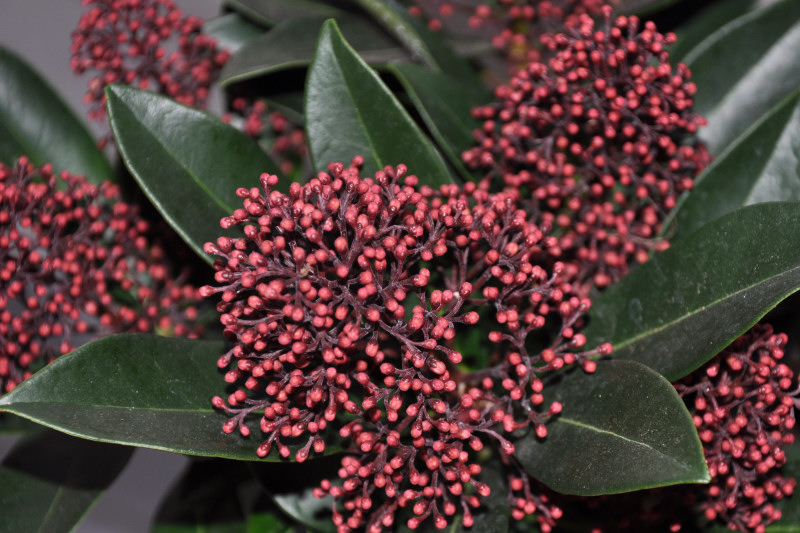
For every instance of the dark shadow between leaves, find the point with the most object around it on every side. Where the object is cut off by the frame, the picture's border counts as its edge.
(68, 461)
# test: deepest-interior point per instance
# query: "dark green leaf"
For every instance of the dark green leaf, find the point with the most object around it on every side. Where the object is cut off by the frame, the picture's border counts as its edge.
(349, 112)
(207, 498)
(36, 122)
(292, 43)
(761, 166)
(187, 162)
(49, 480)
(290, 104)
(745, 68)
(13, 425)
(704, 24)
(622, 428)
(679, 309)
(231, 31)
(392, 18)
(445, 105)
(268, 13)
(140, 390)
(428, 47)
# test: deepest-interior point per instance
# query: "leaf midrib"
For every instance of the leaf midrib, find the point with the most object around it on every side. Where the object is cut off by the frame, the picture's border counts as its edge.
(578, 423)
(703, 308)
(226, 208)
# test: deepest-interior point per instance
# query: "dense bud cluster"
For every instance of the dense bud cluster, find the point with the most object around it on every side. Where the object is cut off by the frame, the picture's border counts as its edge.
(600, 136)
(77, 263)
(343, 299)
(743, 403)
(126, 41)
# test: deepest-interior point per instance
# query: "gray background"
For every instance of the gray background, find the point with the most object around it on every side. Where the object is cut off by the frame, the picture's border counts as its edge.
(39, 31)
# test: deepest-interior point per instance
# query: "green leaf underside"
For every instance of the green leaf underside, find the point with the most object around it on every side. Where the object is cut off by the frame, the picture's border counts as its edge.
(268, 13)
(187, 162)
(231, 31)
(139, 390)
(622, 428)
(36, 122)
(445, 104)
(745, 68)
(15, 425)
(679, 309)
(49, 480)
(292, 43)
(349, 112)
(763, 165)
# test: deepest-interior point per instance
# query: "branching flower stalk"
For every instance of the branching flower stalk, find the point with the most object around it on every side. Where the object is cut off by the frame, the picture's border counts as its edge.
(316, 297)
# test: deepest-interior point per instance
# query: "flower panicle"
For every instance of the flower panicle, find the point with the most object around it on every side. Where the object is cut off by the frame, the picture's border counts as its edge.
(342, 299)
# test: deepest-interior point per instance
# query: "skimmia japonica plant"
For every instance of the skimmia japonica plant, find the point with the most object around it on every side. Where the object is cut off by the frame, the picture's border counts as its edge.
(523, 265)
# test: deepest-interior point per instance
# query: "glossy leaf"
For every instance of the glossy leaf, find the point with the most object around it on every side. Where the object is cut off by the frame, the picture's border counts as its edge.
(232, 31)
(761, 166)
(268, 13)
(135, 389)
(36, 122)
(704, 24)
(445, 105)
(745, 68)
(187, 162)
(292, 44)
(429, 48)
(349, 111)
(622, 428)
(398, 25)
(680, 308)
(49, 481)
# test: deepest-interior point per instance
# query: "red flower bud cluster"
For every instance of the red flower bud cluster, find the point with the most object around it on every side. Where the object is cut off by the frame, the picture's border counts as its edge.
(600, 137)
(77, 263)
(743, 403)
(344, 298)
(126, 41)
